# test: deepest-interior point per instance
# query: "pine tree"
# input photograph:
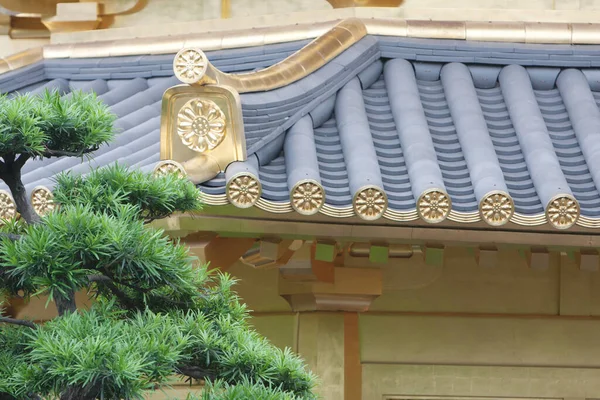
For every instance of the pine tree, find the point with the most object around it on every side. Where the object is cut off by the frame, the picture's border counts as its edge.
(155, 314)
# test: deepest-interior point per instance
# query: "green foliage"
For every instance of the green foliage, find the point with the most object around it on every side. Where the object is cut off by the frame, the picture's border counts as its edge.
(123, 356)
(39, 126)
(244, 390)
(58, 256)
(156, 314)
(106, 189)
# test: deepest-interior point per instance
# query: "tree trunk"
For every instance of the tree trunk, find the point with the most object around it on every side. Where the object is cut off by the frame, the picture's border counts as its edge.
(12, 178)
(90, 392)
(66, 303)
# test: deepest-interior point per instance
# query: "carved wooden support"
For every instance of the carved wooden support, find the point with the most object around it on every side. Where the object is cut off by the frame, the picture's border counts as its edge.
(271, 253)
(325, 256)
(487, 257)
(220, 252)
(353, 289)
(538, 258)
(588, 260)
(433, 254)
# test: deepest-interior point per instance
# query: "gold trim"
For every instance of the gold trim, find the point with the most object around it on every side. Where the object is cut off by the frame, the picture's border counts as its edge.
(243, 190)
(42, 200)
(464, 217)
(398, 216)
(563, 211)
(307, 197)
(496, 208)
(370, 202)
(295, 67)
(168, 167)
(434, 205)
(8, 209)
(318, 52)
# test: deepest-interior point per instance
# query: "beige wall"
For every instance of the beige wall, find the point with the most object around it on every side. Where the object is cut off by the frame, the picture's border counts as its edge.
(461, 330)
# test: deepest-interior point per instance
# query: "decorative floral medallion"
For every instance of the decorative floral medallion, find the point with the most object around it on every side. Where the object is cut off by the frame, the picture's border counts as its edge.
(8, 210)
(562, 211)
(201, 125)
(243, 190)
(169, 167)
(434, 206)
(307, 197)
(370, 203)
(42, 200)
(190, 65)
(496, 208)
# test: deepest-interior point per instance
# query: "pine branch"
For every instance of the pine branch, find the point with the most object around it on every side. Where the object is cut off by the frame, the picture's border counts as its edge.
(21, 322)
(20, 162)
(119, 294)
(196, 372)
(64, 153)
(10, 236)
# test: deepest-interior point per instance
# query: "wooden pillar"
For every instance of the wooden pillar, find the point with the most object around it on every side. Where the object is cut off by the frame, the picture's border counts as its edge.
(352, 365)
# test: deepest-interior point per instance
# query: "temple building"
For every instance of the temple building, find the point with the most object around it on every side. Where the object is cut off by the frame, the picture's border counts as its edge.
(408, 193)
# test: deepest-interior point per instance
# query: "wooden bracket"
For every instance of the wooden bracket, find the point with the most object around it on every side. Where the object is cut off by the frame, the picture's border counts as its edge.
(271, 253)
(487, 257)
(220, 252)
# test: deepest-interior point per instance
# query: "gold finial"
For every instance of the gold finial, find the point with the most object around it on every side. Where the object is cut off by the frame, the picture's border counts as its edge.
(434, 205)
(307, 197)
(496, 208)
(562, 211)
(370, 202)
(42, 200)
(201, 125)
(243, 190)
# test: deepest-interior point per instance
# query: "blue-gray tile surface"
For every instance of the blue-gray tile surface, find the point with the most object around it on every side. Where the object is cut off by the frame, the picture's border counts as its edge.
(403, 114)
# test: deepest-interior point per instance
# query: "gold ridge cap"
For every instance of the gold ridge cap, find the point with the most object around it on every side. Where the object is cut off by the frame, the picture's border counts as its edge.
(509, 31)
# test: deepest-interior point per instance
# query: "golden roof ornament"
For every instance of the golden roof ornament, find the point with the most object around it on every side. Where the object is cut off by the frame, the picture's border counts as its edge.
(169, 167)
(434, 205)
(243, 190)
(8, 209)
(370, 202)
(201, 125)
(307, 197)
(496, 208)
(563, 211)
(190, 65)
(42, 200)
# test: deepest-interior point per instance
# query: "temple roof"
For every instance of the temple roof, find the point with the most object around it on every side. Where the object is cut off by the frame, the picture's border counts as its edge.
(392, 127)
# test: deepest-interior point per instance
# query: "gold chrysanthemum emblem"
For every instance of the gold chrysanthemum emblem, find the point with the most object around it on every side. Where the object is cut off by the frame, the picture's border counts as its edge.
(42, 201)
(562, 212)
(434, 206)
(307, 197)
(370, 203)
(243, 190)
(169, 167)
(8, 210)
(201, 125)
(496, 208)
(190, 65)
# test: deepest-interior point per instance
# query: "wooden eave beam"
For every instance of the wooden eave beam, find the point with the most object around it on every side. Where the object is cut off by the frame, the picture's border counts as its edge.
(346, 232)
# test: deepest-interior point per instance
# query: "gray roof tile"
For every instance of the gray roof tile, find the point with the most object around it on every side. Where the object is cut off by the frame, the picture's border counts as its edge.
(468, 127)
